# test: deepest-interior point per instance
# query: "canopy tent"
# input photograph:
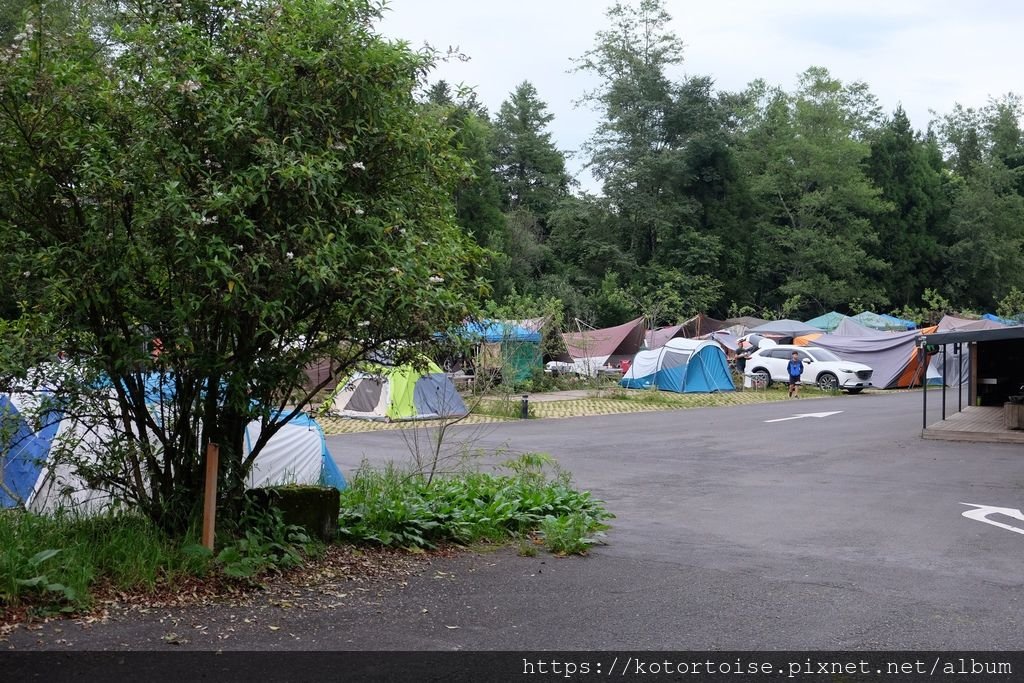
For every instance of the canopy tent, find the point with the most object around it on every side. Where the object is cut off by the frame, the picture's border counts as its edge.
(403, 392)
(852, 328)
(655, 339)
(588, 350)
(742, 325)
(727, 339)
(42, 448)
(700, 324)
(827, 322)
(894, 357)
(784, 328)
(506, 345)
(682, 366)
(879, 322)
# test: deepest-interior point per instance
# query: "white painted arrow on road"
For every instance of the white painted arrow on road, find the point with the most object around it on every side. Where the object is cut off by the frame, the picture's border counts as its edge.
(803, 415)
(981, 513)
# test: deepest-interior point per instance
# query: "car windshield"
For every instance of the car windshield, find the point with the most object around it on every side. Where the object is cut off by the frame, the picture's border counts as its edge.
(823, 355)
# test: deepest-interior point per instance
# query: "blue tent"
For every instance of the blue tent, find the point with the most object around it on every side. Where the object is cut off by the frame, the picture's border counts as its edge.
(683, 366)
(35, 478)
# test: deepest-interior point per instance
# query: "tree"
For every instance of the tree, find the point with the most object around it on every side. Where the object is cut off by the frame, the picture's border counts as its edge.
(900, 166)
(530, 168)
(239, 188)
(814, 205)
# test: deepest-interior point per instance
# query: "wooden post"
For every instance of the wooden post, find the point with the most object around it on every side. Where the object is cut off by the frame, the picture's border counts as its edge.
(210, 494)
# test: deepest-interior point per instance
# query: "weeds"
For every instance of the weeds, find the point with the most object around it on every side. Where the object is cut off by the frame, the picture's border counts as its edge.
(53, 561)
(394, 508)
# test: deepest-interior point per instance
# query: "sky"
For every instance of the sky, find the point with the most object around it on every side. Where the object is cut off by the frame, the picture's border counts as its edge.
(924, 55)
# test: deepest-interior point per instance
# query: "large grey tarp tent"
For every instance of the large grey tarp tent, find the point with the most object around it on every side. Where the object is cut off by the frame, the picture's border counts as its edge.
(589, 350)
(784, 328)
(893, 356)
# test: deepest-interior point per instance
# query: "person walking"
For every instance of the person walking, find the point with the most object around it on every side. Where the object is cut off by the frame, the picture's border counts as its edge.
(796, 368)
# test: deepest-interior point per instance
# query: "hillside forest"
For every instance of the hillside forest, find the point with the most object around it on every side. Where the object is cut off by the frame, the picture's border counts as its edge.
(768, 202)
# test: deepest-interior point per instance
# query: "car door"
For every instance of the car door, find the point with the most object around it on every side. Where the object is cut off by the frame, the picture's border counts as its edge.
(776, 361)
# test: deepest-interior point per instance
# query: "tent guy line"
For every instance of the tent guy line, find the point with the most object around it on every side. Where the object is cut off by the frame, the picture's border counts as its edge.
(803, 415)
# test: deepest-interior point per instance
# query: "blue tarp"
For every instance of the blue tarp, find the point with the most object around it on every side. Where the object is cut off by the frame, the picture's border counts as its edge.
(1002, 321)
(908, 324)
(499, 331)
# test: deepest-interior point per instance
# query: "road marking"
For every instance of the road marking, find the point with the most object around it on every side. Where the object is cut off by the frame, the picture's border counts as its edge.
(803, 415)
(981, 513)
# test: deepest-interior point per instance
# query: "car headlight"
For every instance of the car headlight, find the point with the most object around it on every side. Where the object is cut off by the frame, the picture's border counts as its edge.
(845, 370)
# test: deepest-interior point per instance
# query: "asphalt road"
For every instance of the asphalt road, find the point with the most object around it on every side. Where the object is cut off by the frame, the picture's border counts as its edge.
(835, 532)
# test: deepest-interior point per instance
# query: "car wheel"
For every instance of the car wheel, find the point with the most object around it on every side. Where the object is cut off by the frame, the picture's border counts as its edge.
(828, 382)
(762, 377)
(854, 391)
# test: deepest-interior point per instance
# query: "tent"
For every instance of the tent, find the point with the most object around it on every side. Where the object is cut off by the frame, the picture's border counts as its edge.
(683, 366)
(882, 322)
(1009, 322)
(589, 350)
(900, 323)
(784, 328)
(507, 345)
(402, 392)
(655, 339)
(36, 477)
(827, 322)
(893, 356)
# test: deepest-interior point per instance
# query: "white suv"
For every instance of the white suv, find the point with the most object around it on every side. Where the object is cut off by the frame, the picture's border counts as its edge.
(821, 367)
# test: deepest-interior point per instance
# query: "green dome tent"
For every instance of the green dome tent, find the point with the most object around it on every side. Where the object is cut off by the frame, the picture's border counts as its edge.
(402, 392)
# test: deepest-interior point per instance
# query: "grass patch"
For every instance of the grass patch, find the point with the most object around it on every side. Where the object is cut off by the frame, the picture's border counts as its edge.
(56, 564)
(509, 408)
(53, 562)
(391, 507)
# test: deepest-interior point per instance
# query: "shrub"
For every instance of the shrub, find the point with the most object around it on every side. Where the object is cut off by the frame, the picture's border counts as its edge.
(393, 508)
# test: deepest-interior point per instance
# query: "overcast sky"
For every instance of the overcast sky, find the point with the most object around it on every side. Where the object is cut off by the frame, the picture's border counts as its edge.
(923, 54)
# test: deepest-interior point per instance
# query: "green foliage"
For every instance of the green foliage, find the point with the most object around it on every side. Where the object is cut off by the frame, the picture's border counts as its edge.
(267, 192)
(1012, 305)
(392, 508)
(264, 543)
(52, 563)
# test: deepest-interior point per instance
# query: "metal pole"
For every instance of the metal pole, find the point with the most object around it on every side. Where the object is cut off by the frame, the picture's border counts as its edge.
(958, 351)
(210, 494)
(924, 388)
(945, 376)
(525, 407)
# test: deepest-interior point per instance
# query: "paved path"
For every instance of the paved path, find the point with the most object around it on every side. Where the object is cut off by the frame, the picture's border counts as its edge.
(733, 532)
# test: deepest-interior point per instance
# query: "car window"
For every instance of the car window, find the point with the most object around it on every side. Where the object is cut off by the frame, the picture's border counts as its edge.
(804, 356)
(782, 354)
(823, 355)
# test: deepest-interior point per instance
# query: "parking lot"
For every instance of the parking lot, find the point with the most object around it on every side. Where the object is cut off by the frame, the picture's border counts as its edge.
(825, 524)
(743, 527)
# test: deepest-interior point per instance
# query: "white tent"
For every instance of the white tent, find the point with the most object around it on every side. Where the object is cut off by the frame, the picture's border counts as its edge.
(34, 475)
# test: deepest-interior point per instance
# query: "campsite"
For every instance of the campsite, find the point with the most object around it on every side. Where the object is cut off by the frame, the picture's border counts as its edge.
(356, 325)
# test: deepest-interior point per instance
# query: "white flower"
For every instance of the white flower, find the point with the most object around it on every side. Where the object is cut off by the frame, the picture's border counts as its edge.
(436, 279)
(290, 256)
(395, 269)
(27, 273)
(365, 323)
(338, 146)
(188, 86)
(359, 212)
(240, 247)
(359, 166)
